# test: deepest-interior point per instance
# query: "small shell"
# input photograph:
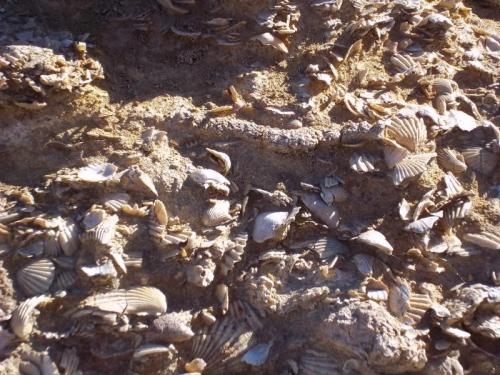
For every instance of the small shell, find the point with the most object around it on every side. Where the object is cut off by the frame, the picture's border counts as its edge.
(480, 160)
(486, 240)
(267, 225)
(458, 208)
(159, 213)
(208, 178)
(173, 327)
(146, 350)
(217, 214)
(257, 355)
(451, 160)
(97, 172)
(408, 132)
(376, 290)
(423, 225)
(37, 277)
(269, 39)
(325, 247)
(222, 295)
(104, 232)
(376, 239)
(453, 186)
(402, 302)
(22, 317)
(222, 158)
(362, 162)
(135, 179)
(329, 215)
(364, 263)
(196, 366)
(115, 201)
(393, 154)
(411, 166)
(69, 237)
(104, 270)
(404, 210)
(138, 301)
(51, 244)
(93, 218)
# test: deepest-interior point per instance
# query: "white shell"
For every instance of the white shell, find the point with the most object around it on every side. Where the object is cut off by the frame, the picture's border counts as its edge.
(208, 178)
(173, 327)
(97, 172)
(404, 210)
(37, 363)
(461, 120)
(267, 224)
(150, 349)
(484, 239)
(451, 161)
(393, 154)
(376, 239)
(411, 166)
(257, 355)
(135, 179)
(222, 158)
(362, 162)
(21, 322)
(217, 213)
(480, 160)
(36, 277)
(268, 39)
(70, 361)
(423, 225)
(408, 132)
(364, 263)
(453, 186)
(93, 218)
(69, 237)
(104, 232)
(139, 301)
(325, 247)
(115, 201)
(329, 215)
(105, 270)
(404, 303)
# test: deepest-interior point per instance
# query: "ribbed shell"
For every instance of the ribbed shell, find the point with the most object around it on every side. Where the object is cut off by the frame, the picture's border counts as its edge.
(451, 160)
(408, 132)
(139, 300)
(135, 179)
(210, 178)
(21, 322)
(423, 225)
(329, 215)
(326, 247)
(97, 172)
(104, 232)
(313, 362)
(362, 162)
(453, 186)
(234, 254)
(411, 166)
(376, 239)
(393, 154)
(484, 239)
(217, 213)
(37, 277)
(267, 224)
(69, 237)
(480, 160)
(457, 209)
(173, 327)
(69, 361)
(93, 218)
(115, 201)
(65, 280)
(404, 303)
(34, 363)
(404, 210)
(364, 263)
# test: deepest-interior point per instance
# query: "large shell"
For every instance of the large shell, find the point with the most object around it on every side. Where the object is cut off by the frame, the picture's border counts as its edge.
(217, 213)
(208, 178)
(135, 179)
(97, 172)
(376, 239)
(314, 362)
(486, 240)
(173, 327)
(329, 215)
(451, 161)
(139, 301)
(408, 132)
(267, 225)
(37, 277)
(21, 322)
(411, 166)
(362, 162)
(480, 160)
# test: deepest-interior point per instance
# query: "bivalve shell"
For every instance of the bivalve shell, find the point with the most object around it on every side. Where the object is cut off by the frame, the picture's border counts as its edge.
(480, 160)
(451, 161)
(411, 166)
(267, 225)
(208, 178)
(217, 213)
(135, 179)
(21, 322)
(37, 277)
(408, 132)
(362, 162)
(376, 239)
(97, 173)
(486, 240)
(328, 214)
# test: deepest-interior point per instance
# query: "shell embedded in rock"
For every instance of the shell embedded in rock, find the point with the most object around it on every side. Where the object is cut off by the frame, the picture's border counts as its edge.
(93, 218)
(234, 253)
(408, 132)
(222, 158)
(423, 225)
(208, 178)
(70, 361)
(267, 225)
(104, 232)
(139, 301)
(115, 201)
(393, 154)
(376, 239)
(37, 363)
(36, 277)
(217, 213)
(172, 327)
(458, 208)
(404, 303)
(97, 172)
(486, 240)
(480, 160)
(21, 322)
(69, 236)
(65, 280)
(269, 39)
(329, 215)
(411, 166)
(451, 161)
(404, 210)
(325, 247)
(51, 244)
(135, 179)
(362, 162)
(314, 362)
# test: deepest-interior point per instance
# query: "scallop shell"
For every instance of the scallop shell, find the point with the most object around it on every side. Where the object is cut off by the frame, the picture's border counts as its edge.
(36, 277)
(65, 280)
(267, 225)
(115, 201)
(393, 154)
(173, 327)
(459, 208)
(222, 345)
(217, 213)
(423, 225)
(104, 232)
(376, 239)
(314, 362)
(408, 132)
(69, 236)
(364, 263)
(21, 322)
(93, 218)
(137, 301)
(135, 179)
(104, 270)
(222, 158)
(329, 215)
(51, 244)
(325, 247)
(486, 240)
(404, 303)
(97, 172)
(453, 186)
(411, 166)
(480, 160)
(70, 361)
(208, 178)
(362, 162)
(487, 325)
(37, 363)
(451, 160)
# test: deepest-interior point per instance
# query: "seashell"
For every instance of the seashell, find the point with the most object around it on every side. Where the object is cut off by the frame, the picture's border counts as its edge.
(37, 363)
(234, 253)
(21, 322)
(267, 225)
(93, 218)
(451, 161)
(329, 215)
(146, 350)
(405, 64)
(402, 302)
(209, 178)
(458, 208)
(135, 179)
(36, 277)
(314, 362)
(404, 210)
(104, 270)
(455, 332)
(138, 301)
(453, 186)
(69, 236)
(51, 244)
(115, 201)
(31, 250)
(217, 213)
(257, 355)
(69, 361)
(222, 295)
(332, 190)
(411, 166)
(480, 160)
(222, 159)
(376, 290)
(173, 327)
(268, 39)
(65, 280)
(104, 232)
(393, 154)
(423, 225)
(487, 325)
(484, 239)
(325, 247)
(461, 120)
(362, 162)
(222, 345)
(97, 172)
(408, 132)
(364, 263)
(201, 274)
(376, 239)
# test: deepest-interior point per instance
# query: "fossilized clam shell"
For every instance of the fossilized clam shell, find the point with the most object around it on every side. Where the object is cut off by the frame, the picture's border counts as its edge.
(314, 362)
(362, 162)
(411, 166)
(37, 277)
(65, 280)
(97, 172)
(376, 239)
(404, 210)
(135, 179)
(173, 327)
(451, 160)
(404, 303)
(329, 215)
(326, 247)
(409, 132)
(201, 273)
(217, 213)
(208, 178)
(104, 232)
(51, 244)
(138, 301)
(423, 225)
(115, 201)
(222, 158)
(480, 160)
(484, 239)
(93, 218)
(21, 322)
(37, 363)
(267, 225)
(69, 236)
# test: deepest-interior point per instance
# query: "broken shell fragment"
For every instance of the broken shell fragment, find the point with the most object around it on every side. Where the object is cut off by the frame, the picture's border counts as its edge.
(376, 239)
(486, 240)
(329, 215)
(134, 179)
(423, 225)
(173, 327)
(362, 162)
(480, 160)
(451, 161)
(268, 39)
(208, 178)
(21, 322)
(37, 277)
(222, 158)
(410, 166)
